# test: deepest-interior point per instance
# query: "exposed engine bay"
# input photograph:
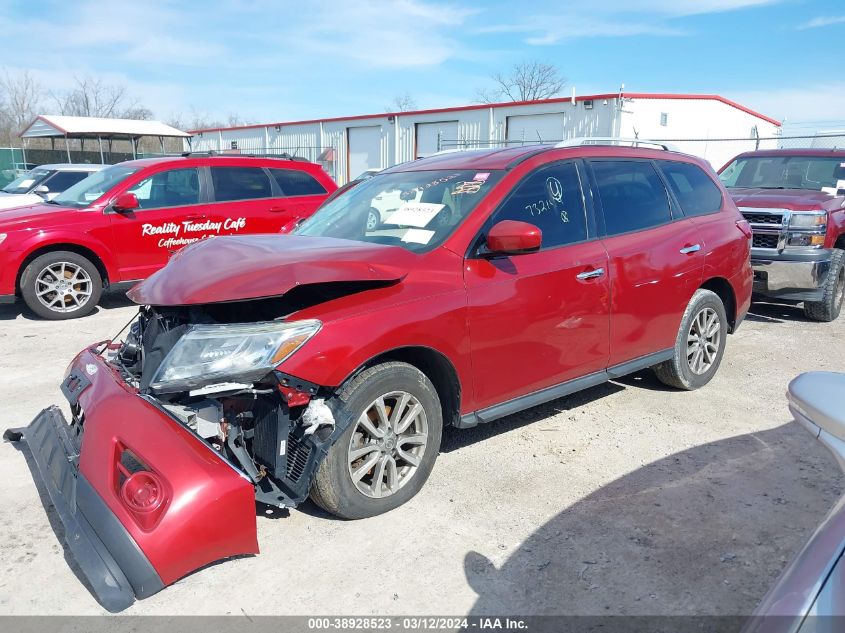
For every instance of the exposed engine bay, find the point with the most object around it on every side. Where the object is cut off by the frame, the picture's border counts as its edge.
(273, 428)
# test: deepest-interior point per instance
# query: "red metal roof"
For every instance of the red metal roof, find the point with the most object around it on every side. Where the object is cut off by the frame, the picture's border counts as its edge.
(628, 95)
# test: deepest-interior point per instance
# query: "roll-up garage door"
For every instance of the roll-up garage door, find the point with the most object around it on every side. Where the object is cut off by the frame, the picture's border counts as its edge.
(364, 150)
(428, 133)
(534, 128)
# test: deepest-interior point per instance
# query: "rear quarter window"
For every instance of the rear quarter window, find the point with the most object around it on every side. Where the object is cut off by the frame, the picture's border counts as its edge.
(294, 182)
(694, 189)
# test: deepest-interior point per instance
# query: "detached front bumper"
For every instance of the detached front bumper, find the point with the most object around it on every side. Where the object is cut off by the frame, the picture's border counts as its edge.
(798, 276)
(194, 508)
(111, 561)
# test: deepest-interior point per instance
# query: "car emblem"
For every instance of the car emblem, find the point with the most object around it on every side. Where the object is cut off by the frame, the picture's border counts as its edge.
(90, 369)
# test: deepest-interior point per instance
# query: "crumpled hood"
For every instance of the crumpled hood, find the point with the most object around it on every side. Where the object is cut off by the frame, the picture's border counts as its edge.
(793, 199)
(239, 267)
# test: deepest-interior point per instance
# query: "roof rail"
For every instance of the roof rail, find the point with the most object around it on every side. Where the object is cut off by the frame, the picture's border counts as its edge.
(613, 140)
(282, 156)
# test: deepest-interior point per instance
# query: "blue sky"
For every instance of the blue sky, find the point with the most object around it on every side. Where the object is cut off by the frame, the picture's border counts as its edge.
(275, 60)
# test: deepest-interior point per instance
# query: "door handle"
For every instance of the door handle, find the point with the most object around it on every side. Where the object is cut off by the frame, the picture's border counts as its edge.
(686, 250)
(590, 274)
(277, 209)
(196, 216)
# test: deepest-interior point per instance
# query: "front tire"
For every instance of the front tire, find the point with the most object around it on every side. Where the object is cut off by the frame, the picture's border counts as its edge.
(384, 456)
(700, 344)
(830, 306)
(61, 285)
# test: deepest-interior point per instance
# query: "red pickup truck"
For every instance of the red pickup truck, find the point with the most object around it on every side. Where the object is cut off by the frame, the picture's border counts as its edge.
(795, 202)
(120, 225)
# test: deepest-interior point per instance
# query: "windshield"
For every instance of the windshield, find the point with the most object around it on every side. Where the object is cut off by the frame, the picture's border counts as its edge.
(414, 209)
(90, 189)
(785, 172)
(27, 182)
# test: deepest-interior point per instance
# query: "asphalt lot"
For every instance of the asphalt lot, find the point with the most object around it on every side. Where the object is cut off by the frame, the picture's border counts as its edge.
(624, 499)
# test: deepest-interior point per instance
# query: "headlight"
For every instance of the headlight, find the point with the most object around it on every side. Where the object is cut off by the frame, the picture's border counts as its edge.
(808, 220)
(208, 354)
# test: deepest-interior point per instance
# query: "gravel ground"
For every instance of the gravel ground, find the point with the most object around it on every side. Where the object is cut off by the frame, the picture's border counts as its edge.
(623, 499)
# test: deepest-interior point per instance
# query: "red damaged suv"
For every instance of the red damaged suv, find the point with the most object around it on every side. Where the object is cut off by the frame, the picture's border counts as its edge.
(327, 362)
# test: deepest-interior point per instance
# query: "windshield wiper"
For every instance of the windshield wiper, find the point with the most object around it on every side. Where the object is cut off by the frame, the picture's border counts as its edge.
(778, 187)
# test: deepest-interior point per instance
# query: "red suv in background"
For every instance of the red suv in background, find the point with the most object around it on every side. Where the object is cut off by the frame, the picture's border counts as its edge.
(120, 225)
(327, 362)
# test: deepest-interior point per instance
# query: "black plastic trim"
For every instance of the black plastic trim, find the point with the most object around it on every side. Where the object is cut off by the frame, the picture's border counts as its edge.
(563, 389)
(8, 299)
(115, 567)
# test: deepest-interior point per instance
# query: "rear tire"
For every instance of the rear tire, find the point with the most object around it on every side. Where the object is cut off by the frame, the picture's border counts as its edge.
(830, 306)
(61, 285)
(364, 473)
(700, 344)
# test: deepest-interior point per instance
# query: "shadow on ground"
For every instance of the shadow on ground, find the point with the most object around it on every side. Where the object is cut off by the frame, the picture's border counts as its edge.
(777, 312)
(703, 531)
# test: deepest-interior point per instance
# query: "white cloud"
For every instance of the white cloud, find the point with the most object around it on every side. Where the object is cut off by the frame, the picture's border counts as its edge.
(827, 20)
(572, 19)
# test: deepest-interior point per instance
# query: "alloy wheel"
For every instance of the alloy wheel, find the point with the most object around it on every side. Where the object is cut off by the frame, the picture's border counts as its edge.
(703, 340)
(63, 287)
(387, 444)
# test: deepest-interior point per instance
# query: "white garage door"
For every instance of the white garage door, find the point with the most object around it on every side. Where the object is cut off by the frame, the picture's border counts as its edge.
(364, 150)
(531, 128)
(427, 134)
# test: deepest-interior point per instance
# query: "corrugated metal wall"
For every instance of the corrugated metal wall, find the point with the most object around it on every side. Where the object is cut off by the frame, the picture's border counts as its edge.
(477, 127)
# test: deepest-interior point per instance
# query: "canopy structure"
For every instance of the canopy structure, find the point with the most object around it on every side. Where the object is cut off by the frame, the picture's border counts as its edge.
(81, 127)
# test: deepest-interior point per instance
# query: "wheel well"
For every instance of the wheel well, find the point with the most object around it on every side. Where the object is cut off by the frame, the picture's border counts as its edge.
(840, 243)
(73, 248)
(723, 288)
(439, 371)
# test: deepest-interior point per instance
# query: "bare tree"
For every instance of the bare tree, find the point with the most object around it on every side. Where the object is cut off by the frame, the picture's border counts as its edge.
(20, 99)
(526, 81)
(93, 97)
(402, 103)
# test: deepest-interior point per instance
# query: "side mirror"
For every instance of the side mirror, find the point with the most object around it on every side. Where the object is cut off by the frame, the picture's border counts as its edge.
(817, 400)
(125, 202)
(511, 237)
(41, 190)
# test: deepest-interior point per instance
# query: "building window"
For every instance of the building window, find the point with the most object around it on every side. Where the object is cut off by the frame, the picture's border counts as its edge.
(664, 119)
(588, 104)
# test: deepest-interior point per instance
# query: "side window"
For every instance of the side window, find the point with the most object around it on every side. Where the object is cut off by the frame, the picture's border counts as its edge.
(550, 199)
(632, 195)
(173, 188)
(294, 182)
(240, 183)
(695, 191)
(61, 180)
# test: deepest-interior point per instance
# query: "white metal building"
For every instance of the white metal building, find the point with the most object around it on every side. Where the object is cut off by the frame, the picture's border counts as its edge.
(349, 146)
